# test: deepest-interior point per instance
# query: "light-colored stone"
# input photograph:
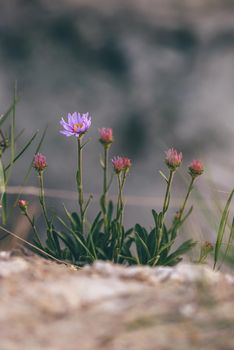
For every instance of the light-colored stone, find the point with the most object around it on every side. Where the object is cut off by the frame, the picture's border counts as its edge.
(49, 306)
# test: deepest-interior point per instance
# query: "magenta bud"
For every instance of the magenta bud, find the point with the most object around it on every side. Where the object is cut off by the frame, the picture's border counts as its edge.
(173, 158)
(39, 163)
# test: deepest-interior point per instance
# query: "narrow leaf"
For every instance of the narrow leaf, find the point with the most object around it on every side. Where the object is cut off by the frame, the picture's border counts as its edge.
(221, 229)
(163, 175)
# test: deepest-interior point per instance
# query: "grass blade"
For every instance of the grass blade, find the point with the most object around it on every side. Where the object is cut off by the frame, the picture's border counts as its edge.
(3, 193)
(8, 112)
(12, 136)
(23, 150)
(221, 230)
(229, 243)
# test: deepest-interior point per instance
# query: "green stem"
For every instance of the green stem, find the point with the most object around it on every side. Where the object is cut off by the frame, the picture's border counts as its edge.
(119, 212)
(167, 195)
(80, 182)
(105, 179)
(120, 206)
(42, 199)
(33, 227)
(165, 205)
(181, 211)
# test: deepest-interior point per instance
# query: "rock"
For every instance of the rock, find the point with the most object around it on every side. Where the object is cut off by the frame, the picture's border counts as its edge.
(45, 305)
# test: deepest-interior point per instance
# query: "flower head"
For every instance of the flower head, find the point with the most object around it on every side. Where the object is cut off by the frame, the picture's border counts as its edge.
(39, 162)
(121, 163)
(196, 168)
(77, 124)
(173, 158)
(106, 136)
(127, 163)
(23, 205)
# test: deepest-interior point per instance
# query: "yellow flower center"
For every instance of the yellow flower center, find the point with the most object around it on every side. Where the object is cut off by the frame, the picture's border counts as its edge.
(77, 126)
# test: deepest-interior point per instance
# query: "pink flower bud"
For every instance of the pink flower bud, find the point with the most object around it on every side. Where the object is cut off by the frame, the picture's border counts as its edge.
(173, 159)
(196, 168)
(106, 136)
(39, 162)
(121, 163)
(23, 205)
(127, 163)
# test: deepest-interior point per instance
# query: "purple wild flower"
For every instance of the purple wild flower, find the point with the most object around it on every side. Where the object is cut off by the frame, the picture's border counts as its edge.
(77, 124)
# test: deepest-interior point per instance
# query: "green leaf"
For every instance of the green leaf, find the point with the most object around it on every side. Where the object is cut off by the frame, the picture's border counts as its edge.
(174, 229)
(141, 231)
(159, 219)
(183, 248)
(71, 218)
(155, 216)
(142, 249)
(8, 112)
(22, 151)
(163, 175)
(3, 194)
(167, 202)
(102, 163)
(95, 228)
(110, 211)
(67, 241)
(101, 253)
(56, 243)
(130, 259)
(152, 242)
(102, 205)
(96, 221)
(76, 222)
(230, 240)
(128, 232)
(12, 137)
(4, 208)
(221, 230)
(85, 143)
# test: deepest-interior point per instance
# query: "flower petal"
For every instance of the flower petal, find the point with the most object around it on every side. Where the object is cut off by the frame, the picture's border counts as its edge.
(67, 133)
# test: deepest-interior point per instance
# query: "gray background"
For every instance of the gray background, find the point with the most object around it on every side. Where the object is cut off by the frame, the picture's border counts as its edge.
(160, 73)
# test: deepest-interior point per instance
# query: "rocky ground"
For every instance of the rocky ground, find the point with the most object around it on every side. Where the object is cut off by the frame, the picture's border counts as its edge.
(49, 306)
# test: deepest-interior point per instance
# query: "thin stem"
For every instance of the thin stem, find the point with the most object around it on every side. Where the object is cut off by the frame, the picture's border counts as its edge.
(105, 179)
(119, 201)
(33, 227)
(119, 213)
(165, 205)
(167, 195)
(120, 204)
(42, 199)
(80, 182)
(181, 211)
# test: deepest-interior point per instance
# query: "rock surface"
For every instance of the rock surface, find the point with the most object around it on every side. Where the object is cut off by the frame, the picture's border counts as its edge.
(49, 306)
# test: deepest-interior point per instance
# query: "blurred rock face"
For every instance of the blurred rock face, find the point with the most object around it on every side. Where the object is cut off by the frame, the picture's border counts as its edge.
(160, 73)
(113, 307)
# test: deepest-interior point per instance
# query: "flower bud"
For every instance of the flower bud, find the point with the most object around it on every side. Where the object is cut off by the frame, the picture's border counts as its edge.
(106, 136)
(121, 163)
(173, 159)
(127, 163)
(39, 162)
(196, 168)
(23, 205)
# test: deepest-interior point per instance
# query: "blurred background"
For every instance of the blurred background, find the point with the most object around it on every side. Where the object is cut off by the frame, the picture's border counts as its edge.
(159, 72)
